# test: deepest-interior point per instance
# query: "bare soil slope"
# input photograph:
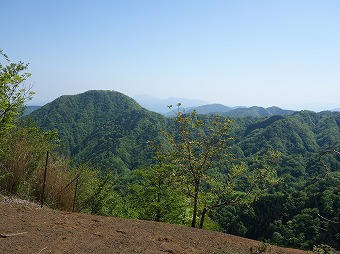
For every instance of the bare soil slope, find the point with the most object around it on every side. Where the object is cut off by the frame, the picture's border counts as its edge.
(30, 229)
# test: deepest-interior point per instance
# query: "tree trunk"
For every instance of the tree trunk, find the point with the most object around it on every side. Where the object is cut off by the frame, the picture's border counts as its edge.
(203, 217)
(158, 212)
(194, 215)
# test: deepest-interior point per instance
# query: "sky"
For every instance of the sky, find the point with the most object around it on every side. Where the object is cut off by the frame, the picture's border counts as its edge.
(282, 53)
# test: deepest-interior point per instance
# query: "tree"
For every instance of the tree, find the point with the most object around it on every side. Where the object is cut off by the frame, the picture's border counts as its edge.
(13, 93)
(193, 150)
(199, 153)
(155, 197)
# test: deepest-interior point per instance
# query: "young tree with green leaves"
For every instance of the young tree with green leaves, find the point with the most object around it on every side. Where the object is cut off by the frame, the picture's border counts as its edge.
(13, 93)
(193, 149)
(199, 154)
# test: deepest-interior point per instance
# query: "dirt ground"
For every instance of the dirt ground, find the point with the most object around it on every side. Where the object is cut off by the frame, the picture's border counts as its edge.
(27, 228)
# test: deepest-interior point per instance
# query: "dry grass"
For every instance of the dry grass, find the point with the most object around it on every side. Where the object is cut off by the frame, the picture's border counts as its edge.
(22, 167)
(60, 184)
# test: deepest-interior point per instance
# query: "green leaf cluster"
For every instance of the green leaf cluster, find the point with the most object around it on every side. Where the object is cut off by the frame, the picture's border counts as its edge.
(13, 93)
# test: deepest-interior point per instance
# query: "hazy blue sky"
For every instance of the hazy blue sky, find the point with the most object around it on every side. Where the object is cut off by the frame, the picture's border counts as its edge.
(240, 52)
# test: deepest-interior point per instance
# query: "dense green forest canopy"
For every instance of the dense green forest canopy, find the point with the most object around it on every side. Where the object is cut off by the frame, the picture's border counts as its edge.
(104, 128)
(110, 131)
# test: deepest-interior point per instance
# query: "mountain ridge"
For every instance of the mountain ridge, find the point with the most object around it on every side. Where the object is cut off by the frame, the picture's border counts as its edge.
(201, 107)
(107, 122)
(219, 109)
(161, 105)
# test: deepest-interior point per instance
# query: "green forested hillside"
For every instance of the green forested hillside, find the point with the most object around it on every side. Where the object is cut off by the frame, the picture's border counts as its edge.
(299, 133)
(218, 109)
(258, 111)
(297, 211)
(105, 128)
(209, 109)
(110, 130)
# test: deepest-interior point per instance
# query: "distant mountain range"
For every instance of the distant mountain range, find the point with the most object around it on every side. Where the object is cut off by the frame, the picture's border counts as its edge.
(30, 109)
(258, 111)
(218, 109)
(202, 107)
(161, 105)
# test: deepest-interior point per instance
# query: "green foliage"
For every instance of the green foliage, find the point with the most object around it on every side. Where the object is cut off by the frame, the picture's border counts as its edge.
(324, 249)
(13, 93)
(106, 129)
(97, 194)
(192, 150)
(155, 197)
(197, 152)
(88, 181)
(22, 154)
(101, 199)
(22, 163)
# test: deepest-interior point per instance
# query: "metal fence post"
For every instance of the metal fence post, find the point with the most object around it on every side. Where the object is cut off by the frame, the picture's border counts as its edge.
(44, 182)
(75, 194)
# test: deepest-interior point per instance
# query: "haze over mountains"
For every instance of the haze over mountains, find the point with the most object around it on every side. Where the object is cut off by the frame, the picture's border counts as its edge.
(161, 105)
(202, 107)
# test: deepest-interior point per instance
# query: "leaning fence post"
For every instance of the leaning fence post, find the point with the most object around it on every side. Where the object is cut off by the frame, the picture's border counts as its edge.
(44, 182)
(75, 194)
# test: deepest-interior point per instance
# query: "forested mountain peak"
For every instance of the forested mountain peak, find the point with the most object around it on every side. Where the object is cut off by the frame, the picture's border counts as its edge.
(209, 108)
(258, 111)
(107, 122)
(102, 98)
